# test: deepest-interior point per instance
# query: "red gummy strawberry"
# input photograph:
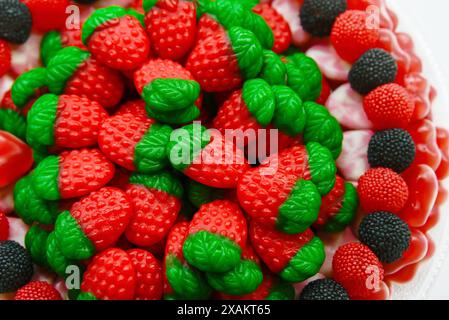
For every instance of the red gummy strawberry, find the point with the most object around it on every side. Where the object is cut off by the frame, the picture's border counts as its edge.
(357, 269)
(93, 224)
(73, 71)
(116, 37)
(250, 108)
(169, 90)
(48, 14)
(382, 189)
(4, 226)
(277, 23)
(338, 207)
(206, 157)
(256, 106)
(294, 258)
(389, 106)
(67, 121)
(72, 174)
(149, 281)
(156, 200)
(171, 26)
(352, 36)
(217, 234)
(223, 60)
(243, 279)
(181, 280)
(134, 107)
(207, 26)
(236, 13)
(37, 290)
(5, 58)
(135, 143)
(285, 191)
(271, 288)
(109, 276)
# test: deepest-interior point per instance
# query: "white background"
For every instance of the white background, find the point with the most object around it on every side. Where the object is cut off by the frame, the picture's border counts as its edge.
(431, 19)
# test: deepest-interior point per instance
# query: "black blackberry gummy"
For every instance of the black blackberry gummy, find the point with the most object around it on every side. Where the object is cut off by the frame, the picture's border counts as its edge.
(16, 267)
(318, 16)
(387, 235)
(323, 289)
(392, 148)
(374, 68)
(15, 21)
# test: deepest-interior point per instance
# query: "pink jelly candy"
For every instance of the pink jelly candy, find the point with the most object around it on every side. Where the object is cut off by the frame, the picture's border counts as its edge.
(353, 161)
(346, 106)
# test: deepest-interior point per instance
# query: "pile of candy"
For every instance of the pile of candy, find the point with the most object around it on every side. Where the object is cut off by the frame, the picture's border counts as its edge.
(116, 151)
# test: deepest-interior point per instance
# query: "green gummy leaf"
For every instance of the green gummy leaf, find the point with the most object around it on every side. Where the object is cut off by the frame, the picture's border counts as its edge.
(13, 122)
(51, 43)
(249, 4)
(30, 207)
(186, 144)
(71, 239)
(149, 154)
(45, 178)
(186, 282)
(86, 296)
(41, 120)
(306, 262)
(244, 278)
(39, 152)
(304, 76)
(164, 95)
(25, 86)
(62, 66)
(248, 51)
(211, 252)
(36, 244)
(21, 189)
(260, 28)
(282, 291)
(273, 69)
(322, 127)
(163, 181)
(289, 115)
(347, 212)
(147, 5)
(322, 167)
(230, 13)
(175, 117)
(56, 259)
(301, 208)
(200, 194)
(98, 17)
(259, 99)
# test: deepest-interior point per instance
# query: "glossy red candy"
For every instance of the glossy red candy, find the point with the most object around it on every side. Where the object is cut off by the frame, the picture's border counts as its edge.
(4, 226)
(415, 253)
(424, 135)
(423, 190)
(421, 92)
(443, 143)
(16, 158)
